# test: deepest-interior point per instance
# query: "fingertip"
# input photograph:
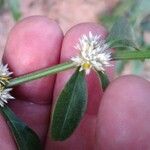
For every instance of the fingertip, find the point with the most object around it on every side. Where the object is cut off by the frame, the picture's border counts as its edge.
(34, 43)
(29, 41)
(123, 115)
(73, 35)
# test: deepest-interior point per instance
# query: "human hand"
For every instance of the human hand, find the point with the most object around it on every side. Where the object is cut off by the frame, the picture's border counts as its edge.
(121, 121)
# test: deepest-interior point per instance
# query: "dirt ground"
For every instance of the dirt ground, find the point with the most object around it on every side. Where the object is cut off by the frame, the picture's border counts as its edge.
(66, 12)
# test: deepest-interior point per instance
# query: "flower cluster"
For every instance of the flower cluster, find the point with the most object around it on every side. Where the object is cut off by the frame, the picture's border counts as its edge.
(94, 53)
(4, 80)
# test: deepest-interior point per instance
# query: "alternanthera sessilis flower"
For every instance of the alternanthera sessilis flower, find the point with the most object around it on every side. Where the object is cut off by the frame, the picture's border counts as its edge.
(4, 79)
(94, 53)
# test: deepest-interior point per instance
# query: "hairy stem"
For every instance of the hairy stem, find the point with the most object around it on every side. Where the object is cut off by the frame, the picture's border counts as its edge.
(41, 73)
(131, 55)
(126, 55)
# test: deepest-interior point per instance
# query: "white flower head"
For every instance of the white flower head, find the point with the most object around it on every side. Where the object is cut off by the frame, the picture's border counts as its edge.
(4, 71)
(94, 53)
(4, 79)
(4, 96)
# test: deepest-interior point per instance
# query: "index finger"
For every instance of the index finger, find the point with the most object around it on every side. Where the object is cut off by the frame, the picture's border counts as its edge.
(33, 44)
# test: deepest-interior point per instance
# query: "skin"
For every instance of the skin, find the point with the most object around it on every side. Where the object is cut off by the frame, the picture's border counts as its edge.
(121, 121)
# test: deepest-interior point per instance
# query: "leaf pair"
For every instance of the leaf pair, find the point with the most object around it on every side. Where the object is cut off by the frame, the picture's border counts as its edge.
(72, 102)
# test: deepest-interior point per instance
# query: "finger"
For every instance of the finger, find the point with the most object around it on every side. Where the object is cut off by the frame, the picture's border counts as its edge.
(33, 43)
(123, 118)
(84, 135)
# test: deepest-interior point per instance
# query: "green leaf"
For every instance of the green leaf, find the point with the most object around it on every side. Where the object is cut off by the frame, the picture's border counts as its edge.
(104, 79)
(1, 3)
(14, 6)
(25, 138)
(121, 34)
(139, 9)
(145, 24)
(123, 43)
(137, 67)
(120, 65)
(108, 20)
(120, 10)
(70, 107)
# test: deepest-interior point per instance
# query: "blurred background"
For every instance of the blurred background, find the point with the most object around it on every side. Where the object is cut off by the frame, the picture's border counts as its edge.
(70, 12)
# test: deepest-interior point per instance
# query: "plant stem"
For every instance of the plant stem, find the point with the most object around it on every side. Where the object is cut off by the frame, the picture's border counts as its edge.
(40, 73)
(126, 55)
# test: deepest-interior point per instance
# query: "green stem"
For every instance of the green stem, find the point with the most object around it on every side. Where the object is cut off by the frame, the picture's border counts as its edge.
(41, 73)
(126, 55)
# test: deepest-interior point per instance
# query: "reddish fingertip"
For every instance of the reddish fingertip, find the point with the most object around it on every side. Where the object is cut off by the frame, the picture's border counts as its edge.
(34, 43)
(123, 118)
(73, 35)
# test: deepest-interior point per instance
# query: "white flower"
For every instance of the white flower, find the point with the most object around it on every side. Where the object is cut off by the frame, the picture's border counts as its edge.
(4, 96)
(4, 71)
(94, 53)
(4, 79)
